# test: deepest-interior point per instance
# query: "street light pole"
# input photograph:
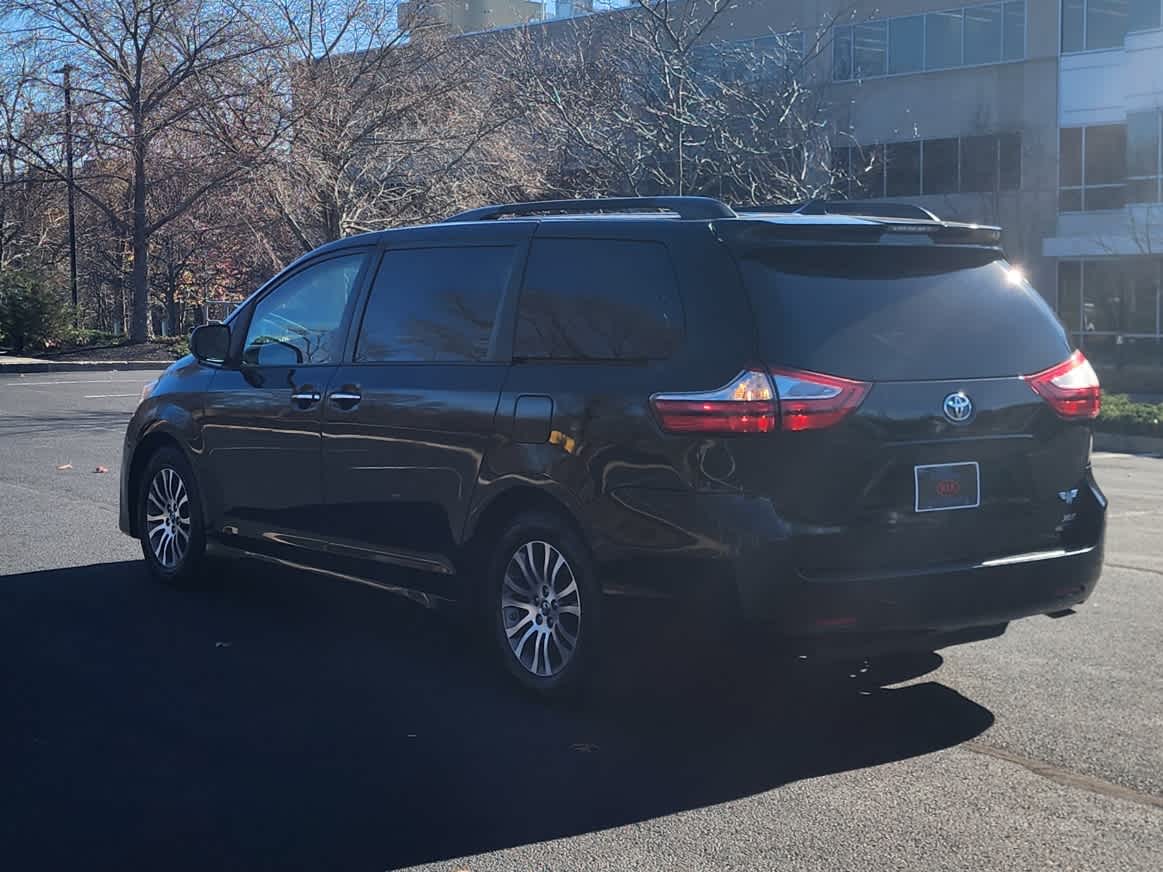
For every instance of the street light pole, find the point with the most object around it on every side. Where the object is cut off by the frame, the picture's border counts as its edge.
(65, 71)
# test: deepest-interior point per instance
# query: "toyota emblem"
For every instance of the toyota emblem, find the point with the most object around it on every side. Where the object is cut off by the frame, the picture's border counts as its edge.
(958, 408)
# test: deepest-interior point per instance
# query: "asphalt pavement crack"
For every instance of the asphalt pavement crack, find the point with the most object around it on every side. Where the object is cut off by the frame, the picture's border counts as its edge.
(1066, 777)
(1133, 568)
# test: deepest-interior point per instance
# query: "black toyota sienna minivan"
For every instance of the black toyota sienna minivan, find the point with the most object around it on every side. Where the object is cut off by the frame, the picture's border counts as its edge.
(859, 433)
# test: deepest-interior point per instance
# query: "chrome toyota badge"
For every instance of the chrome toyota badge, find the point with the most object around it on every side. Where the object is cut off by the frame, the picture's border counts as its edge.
(958, 408)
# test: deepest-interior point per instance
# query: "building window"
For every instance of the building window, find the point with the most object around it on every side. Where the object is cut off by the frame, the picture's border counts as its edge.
(972, 164)
(1070, 294)
(1106, 23)
(859, 171)
(1073, 25)
(752, 60)
(1144, 14)
(1102, 299)
(940, 174)
(842, 54)
(870, 49)
(1145, 157)
(1010, 159)
(1092, 166)
(983, 43)
(907, 38)
(902, 169)
(868, 171)
(1014, 35)
(943, 39)
(1088, 25)
(969, 36)
(979, 163)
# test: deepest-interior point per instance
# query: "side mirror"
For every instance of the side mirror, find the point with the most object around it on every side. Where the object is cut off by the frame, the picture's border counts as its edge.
(210, 342)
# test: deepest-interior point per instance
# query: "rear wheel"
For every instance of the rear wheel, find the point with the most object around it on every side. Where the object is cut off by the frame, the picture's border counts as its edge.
(169, 518)
(544, 604)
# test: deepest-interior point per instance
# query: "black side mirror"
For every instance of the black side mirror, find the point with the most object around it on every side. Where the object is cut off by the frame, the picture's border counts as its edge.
(210, 342)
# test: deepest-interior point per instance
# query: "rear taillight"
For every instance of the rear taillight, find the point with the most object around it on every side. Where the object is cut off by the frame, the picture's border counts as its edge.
(1071, 388)
(813, 401)
(746, 405)
(760, 402)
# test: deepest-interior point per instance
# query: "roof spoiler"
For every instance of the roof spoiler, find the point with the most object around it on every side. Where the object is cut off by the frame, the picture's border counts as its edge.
(855, 208)
(873, 230)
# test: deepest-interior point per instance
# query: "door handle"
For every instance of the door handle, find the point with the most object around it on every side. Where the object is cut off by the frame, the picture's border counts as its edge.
(305, 398)
(346, 398)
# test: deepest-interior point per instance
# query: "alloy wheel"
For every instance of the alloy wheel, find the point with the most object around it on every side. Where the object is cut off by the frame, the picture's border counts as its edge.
(541, 609)
(167, 517)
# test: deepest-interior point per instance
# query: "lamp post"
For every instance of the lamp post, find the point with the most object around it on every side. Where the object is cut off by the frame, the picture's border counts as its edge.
(65, 71)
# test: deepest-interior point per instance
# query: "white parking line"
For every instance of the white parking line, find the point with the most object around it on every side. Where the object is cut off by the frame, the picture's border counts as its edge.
(92, 381)
(106, 396)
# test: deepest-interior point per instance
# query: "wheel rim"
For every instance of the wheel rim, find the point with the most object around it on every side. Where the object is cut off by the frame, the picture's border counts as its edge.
(541, 609)
(167, 517)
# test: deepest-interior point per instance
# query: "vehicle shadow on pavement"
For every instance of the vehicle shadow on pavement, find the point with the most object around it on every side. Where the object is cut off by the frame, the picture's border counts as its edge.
(275, 720)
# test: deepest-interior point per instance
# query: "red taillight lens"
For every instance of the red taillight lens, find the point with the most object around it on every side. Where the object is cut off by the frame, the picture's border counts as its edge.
(759, 402)
(1071, 388)
(813, 401)
(746, 405)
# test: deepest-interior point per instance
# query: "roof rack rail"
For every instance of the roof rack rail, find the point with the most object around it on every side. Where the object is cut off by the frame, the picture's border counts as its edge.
(872, 210)
(770, 208)
(697, 208)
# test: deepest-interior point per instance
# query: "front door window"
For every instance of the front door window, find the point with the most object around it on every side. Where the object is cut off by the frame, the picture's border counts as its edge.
(299, 323)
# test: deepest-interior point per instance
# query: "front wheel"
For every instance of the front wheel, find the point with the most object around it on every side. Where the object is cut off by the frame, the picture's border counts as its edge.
(545, 604)
(169, 518)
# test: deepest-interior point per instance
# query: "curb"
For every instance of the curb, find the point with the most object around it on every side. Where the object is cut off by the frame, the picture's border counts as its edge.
(79, 366)
(1121, 443)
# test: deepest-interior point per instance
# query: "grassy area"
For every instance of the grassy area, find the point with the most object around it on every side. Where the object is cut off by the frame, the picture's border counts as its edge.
(1121, 415)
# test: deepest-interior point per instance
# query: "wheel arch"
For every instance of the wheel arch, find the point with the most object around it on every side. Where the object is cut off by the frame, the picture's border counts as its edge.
(149, 444)
(487, 522)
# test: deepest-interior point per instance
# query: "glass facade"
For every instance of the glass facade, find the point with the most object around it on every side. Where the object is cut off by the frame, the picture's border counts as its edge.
(1145, 157)
(1092, 168)
(1105, 302)
(969, 36)
(753, 60)
(967, 165)
(1090, 25)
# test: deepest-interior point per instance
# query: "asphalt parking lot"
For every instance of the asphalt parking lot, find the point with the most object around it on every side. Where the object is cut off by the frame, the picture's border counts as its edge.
(279, 721)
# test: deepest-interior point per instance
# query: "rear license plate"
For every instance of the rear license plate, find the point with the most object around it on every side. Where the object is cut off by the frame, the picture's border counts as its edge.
(945, 486)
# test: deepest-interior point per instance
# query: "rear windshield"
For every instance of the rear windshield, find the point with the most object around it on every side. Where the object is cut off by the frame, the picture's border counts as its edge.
(893, 313)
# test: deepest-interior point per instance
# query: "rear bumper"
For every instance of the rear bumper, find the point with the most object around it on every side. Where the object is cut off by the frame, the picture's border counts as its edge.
(930, 610)
(740, 545)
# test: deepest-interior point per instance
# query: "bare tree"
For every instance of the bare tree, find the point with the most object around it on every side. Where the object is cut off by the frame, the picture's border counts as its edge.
(387, 126)
(653, 99)
(146, 74)
(30, 214)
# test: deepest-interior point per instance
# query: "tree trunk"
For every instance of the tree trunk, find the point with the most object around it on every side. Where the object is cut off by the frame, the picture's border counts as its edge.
(172, 306)
(139, 283)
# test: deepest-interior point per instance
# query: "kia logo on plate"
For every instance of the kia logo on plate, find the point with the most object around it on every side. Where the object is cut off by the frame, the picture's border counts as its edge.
(948, 487)
(958, 408)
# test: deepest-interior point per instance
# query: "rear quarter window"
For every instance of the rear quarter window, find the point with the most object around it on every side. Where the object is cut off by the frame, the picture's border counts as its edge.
(896, 313)
(598, 299)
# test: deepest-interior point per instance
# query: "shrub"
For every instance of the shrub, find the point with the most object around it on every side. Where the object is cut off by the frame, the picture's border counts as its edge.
(1121, 415)
(31, 315)
(178, 345)
(84, 337)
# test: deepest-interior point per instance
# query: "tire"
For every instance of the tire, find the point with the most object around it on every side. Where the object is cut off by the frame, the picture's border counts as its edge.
(175, 547)
(523, 617)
